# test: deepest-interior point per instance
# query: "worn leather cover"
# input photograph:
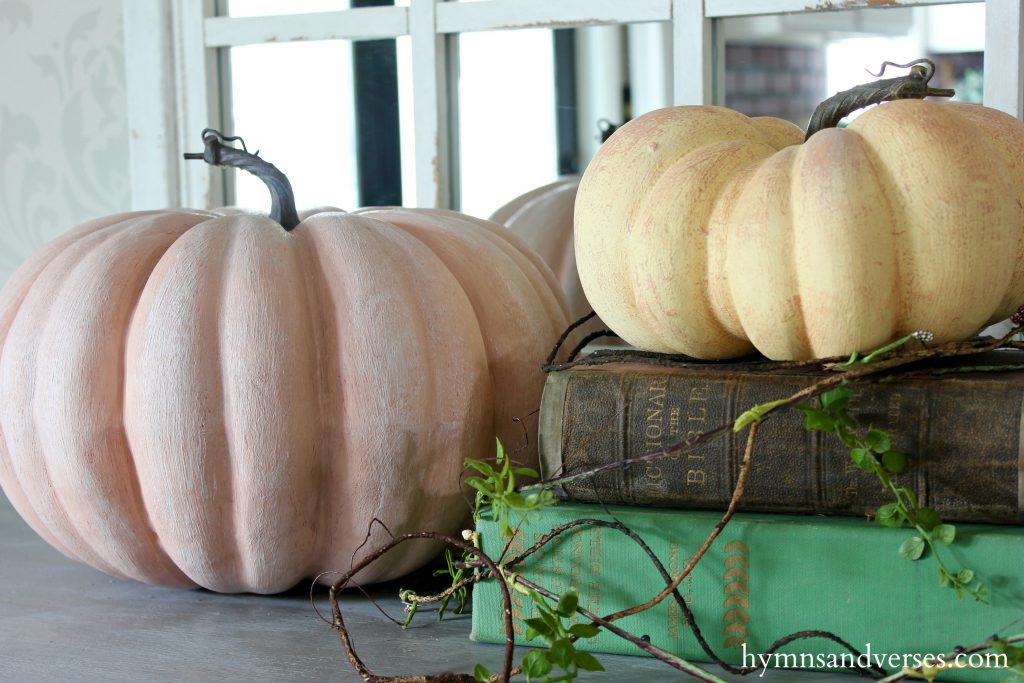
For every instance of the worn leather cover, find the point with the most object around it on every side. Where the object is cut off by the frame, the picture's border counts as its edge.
(961, 433)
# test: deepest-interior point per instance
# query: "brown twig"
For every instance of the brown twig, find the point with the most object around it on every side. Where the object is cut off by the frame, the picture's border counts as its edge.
(565, 335)
(677, 596)
(843, 374)
(741, 482)
(446, 677)
(653, 650)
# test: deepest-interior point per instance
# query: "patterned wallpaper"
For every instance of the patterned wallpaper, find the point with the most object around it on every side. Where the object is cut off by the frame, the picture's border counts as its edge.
(63, 120)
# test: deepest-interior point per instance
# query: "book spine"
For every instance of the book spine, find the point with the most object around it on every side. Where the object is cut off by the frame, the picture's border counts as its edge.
(964, 456)
(765, 577)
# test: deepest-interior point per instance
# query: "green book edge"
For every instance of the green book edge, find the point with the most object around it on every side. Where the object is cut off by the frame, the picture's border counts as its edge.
(765, 577)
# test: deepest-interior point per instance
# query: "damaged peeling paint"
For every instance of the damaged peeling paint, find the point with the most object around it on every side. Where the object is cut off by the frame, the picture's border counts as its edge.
(825, 5)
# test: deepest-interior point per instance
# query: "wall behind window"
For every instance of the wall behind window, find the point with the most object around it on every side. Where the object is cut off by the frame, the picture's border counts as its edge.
(63, 120)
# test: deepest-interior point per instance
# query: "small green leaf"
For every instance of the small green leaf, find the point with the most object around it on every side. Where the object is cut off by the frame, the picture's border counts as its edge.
(877, 441)
(847, 436)
(587, 662)
(535, 665)
(817, 420)
(553, 622)
(965, 576)
(928, 518)
(910, 495)
(862, 458)
(480, 485)
(514, 500)
(562, 653)
(525, 472)
(568, 604)
(481, 673)
(538, 626)
(836, 400)
(478, 465)
(889, 515)
(584, 630)
(894, 461)
(845, 420)
(912, 548)
(944, 577)
(944, 533)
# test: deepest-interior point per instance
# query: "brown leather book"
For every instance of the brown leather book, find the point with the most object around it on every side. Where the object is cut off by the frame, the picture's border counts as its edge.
(961, 433)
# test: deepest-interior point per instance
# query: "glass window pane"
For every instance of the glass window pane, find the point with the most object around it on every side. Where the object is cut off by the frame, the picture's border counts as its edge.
(506, 116)
(292, 101)
(295, 102)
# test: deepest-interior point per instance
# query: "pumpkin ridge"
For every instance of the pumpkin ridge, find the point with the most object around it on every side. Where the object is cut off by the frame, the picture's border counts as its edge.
(551, 294)
(759, 260)
(1003, 137)
(322, 322)
(408, 224)
(136, 549)
(53, 277)
(886, 182)
(230, 522)
(917, 139)
(670, 260)
(172, 447)
(719, 295)
(401, 294)
(564, 253)
(22, 280)
(331, 398)
(266, 361)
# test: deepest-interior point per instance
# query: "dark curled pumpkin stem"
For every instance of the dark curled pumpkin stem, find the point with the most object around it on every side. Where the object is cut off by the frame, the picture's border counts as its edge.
(914, 85)
(216, 153)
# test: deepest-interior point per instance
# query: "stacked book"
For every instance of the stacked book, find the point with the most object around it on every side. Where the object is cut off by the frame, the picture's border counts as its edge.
(801, 555)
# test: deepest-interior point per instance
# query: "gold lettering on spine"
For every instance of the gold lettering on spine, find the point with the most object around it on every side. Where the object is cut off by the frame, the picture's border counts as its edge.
(675, 612)
(696, 419)
(654, 421)
(654, 429)
(737, 594)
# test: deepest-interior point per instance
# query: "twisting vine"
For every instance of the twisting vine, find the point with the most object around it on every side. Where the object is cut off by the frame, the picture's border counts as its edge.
(824, 406)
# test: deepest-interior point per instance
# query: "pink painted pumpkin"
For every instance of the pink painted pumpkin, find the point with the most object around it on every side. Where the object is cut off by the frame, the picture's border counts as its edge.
(543, 219)
(193, 399)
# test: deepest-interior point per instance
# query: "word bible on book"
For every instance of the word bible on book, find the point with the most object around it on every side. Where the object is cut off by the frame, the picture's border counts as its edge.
(961, 433)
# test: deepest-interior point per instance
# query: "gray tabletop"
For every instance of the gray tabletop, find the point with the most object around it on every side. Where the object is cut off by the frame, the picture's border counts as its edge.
(62, 621)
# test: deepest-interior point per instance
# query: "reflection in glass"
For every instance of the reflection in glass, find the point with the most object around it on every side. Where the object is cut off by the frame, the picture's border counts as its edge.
(784, 65)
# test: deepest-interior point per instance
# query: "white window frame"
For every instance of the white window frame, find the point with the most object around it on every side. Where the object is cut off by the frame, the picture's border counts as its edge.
(172, 57)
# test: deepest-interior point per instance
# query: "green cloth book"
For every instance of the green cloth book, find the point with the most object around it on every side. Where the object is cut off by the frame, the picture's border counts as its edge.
(765, 577)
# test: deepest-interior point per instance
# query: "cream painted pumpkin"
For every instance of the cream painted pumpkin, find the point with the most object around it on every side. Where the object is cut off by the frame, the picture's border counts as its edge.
(192, 399)
(702, 231)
